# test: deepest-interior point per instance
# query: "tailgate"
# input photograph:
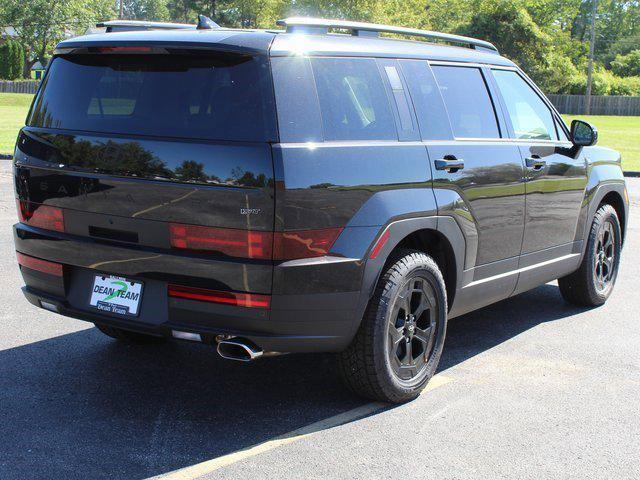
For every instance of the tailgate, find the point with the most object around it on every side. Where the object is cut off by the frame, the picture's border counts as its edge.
(159, 162)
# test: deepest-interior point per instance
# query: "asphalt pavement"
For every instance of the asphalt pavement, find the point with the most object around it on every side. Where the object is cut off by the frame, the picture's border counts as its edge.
(528, 388)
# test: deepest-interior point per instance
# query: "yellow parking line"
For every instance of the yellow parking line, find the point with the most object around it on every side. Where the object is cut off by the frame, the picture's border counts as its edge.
(209, 466)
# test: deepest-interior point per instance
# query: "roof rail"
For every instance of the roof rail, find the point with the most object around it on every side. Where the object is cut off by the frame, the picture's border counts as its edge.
(129, 25)
(361, 29)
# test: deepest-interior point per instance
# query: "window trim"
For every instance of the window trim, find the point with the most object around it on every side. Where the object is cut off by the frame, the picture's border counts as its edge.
(498, 114)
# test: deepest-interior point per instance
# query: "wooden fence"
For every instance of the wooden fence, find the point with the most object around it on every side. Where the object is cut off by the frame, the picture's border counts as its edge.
(600, 104)
(19, 86)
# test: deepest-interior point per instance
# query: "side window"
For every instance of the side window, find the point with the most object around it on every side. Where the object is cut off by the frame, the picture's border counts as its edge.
(296, 100)
(432, 116)
(468, 103)
(353, 101)
(530, 117)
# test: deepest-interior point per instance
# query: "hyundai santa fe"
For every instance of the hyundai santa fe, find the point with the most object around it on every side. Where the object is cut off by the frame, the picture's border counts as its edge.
(321, 188)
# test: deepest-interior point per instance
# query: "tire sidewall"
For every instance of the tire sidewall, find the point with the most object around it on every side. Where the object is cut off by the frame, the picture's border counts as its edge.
(605, 214)
(385, 304)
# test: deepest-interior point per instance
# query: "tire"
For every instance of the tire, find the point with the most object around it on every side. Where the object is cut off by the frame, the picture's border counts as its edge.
(397, 348)
(593, 282)
(128, 336)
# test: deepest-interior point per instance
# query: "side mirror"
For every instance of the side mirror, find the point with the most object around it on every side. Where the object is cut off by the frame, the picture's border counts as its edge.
(583, 134)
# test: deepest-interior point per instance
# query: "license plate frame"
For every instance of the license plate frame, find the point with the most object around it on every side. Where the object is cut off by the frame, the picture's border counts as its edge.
(116, 295)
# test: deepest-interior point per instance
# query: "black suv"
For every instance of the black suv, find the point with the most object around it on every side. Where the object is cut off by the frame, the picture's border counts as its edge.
(304, 191)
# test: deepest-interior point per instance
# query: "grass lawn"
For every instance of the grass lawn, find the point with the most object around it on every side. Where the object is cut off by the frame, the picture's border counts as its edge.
(621, 133)
(13, 112)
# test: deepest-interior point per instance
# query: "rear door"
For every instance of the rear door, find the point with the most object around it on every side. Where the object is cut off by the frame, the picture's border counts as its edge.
(158, 150)
(556, 177)
(477, 176)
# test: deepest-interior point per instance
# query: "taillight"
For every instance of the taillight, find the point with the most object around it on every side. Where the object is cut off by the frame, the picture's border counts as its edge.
(41, 216)
(251, 300)
(304, 243)
(40, 265)
(229, 241)
(253, 244)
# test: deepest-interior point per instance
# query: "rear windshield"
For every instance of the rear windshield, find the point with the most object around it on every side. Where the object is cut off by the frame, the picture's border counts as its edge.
(204, 96)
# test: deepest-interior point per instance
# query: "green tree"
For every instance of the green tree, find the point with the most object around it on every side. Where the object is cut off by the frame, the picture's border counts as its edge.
(16, 60)
(510, 27)
(41, 24)
(627, 65)
(4, 62)
(11, 60)
(155, 10)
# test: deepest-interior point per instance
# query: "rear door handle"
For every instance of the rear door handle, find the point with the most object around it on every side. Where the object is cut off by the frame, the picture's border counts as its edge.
(535, 162)
(449, 164)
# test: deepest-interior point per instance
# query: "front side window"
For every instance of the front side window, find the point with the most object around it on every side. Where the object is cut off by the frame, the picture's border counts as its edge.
(468, 102)
(530, 117)
(353, 101)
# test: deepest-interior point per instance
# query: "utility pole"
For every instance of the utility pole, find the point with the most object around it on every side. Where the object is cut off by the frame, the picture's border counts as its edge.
(121, 10)
(592, 47)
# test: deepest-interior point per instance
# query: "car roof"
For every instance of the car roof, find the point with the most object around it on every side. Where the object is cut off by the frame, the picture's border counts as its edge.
(285, 44)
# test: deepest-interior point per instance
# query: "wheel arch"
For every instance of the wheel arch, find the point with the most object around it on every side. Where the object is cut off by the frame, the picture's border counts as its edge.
(435, 244)
(614, 194)
(438, 236)
(614, 199)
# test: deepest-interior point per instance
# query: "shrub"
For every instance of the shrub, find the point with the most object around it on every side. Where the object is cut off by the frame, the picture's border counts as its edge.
(627, 65)
(557, 75)
(625, 86)
(11, 60)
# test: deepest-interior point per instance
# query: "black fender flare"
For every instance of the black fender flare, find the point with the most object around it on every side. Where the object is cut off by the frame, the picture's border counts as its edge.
(595, 197)
(397, 231)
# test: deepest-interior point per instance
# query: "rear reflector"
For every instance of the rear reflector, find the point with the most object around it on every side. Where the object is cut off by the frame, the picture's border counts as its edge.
(41, 216)
(251, 300)
(254, 244)
(40, 265)
(194, 337)
(379, 244)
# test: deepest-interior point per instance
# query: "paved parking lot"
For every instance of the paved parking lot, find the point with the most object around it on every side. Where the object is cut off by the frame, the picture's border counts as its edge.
(528, 388)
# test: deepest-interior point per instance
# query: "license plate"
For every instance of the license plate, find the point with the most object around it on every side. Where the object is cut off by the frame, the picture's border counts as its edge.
(116, 295)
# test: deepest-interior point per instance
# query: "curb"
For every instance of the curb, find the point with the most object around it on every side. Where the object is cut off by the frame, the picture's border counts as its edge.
(632, 174)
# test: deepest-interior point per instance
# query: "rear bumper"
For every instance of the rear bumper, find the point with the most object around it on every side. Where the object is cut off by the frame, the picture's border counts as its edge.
(299, 320)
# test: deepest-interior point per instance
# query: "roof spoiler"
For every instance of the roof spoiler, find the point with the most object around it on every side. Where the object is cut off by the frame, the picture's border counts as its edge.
(132, 25)
(361, 29)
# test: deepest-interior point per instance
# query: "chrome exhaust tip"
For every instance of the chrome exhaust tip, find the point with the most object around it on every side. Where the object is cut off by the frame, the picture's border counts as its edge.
(239, 350)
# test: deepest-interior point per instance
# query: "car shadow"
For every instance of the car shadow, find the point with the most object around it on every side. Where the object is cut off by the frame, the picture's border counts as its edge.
(84, 406)
(475, 332)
